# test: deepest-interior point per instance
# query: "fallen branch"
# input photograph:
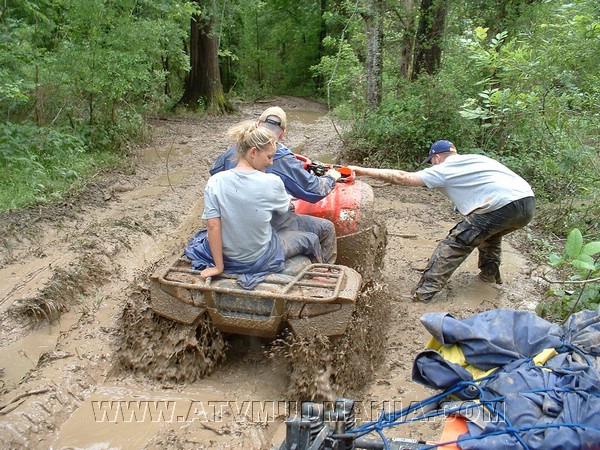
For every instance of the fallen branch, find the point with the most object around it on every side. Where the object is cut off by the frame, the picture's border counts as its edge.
(3, 408)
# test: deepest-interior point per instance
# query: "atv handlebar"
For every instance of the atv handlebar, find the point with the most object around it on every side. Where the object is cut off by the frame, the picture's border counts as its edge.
(319, 169)
(319, 427)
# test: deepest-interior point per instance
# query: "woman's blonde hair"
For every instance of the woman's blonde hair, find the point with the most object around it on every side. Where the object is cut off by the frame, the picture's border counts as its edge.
(248, 134)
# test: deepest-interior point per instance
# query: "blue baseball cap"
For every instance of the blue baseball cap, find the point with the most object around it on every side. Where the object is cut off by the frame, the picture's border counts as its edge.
(439, 147)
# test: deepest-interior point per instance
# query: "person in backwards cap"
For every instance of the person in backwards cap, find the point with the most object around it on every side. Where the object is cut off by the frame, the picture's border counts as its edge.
(298, 182)
(493, 200)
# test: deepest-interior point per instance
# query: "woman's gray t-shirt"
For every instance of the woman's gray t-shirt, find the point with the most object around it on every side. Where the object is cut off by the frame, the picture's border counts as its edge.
(245, 200)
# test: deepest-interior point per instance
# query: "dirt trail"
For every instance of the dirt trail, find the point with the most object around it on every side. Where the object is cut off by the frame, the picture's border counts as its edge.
(63, 387)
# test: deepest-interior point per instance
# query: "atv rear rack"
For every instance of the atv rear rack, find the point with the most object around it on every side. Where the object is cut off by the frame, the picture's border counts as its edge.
(317, 296)
(326, 278)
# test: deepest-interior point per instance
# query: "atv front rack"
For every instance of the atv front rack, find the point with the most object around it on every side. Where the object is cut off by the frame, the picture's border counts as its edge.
(315, 297)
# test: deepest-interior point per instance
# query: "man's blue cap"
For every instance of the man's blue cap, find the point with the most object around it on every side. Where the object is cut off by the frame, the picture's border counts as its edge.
(439, 147)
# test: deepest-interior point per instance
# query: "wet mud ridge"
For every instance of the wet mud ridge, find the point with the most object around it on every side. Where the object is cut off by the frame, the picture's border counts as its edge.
(87, 364)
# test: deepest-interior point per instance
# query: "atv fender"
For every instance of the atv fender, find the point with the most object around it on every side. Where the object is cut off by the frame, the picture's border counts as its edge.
(174, 303)
(319, 297)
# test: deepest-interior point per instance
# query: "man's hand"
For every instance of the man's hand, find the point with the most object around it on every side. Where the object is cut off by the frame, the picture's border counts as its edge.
(357, 170)
(334, 174)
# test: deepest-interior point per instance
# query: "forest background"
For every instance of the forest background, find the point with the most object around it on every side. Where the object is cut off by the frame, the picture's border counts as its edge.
(517, 80)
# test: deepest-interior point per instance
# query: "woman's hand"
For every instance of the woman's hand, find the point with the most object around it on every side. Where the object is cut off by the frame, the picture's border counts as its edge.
(211, 272)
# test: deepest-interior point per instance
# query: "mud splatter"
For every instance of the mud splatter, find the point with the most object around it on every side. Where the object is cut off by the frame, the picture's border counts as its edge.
(323, 369)
(164, 349)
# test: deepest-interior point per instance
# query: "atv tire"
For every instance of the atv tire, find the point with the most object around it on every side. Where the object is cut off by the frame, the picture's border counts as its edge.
(324, 368)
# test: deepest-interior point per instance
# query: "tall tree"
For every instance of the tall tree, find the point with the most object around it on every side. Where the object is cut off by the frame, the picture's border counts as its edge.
(430, 32)
(406, 19)
(374, 28)
(203, 87)
(322, 35)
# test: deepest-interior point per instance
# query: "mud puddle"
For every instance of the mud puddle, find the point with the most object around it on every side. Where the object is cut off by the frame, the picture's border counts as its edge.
(21, 356)
(79, 395)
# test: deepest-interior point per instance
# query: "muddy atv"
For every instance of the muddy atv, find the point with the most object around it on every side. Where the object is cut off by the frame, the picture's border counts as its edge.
(312, 303)
(309, 298)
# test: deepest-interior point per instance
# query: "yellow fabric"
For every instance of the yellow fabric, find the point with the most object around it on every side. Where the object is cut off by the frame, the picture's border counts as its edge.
(454, 354)
(542, 357)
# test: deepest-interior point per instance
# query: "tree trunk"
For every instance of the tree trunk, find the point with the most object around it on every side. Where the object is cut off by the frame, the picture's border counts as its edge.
(259, 68)
(203, 88)
(374, 27)
(408, 39)
(428, 51)
(322, 35)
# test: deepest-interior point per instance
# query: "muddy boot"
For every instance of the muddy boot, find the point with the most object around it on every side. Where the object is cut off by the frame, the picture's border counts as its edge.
(422, 297)
(490, 278)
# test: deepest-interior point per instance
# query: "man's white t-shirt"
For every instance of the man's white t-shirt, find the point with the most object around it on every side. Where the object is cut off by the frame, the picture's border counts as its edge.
(476, 183)
(245, 200)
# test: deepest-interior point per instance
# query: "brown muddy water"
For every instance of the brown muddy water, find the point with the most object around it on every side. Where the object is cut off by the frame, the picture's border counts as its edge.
(70, 384)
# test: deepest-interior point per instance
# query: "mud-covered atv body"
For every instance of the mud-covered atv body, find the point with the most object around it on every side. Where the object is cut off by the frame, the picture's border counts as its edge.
(175, 329)
(309, 298)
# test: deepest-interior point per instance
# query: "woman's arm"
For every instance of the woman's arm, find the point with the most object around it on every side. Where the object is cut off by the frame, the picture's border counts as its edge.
(215, 242)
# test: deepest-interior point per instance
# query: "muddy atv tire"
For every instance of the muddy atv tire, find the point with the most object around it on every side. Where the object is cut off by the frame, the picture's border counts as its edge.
(323, 368)
(364, 251)
(164, 349)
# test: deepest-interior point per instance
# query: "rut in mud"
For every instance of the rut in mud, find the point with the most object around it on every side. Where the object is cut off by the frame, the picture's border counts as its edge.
(65, 384)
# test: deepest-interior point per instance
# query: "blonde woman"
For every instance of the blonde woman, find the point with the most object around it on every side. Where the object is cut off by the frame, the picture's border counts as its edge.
(298, 182)
(239, 205)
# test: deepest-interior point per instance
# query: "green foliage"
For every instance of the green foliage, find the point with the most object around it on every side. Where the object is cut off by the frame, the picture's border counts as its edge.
(272, 46)
(81, 62)
(533, 109)
(339, 72)
(581, 268)
(42, 163)
(16, 54)
(400, 131)
(84, 73)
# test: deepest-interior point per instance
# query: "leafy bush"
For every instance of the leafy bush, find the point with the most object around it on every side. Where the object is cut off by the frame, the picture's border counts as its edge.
(43, 163)
(533, 109)
(580, 287)
(400, 132)
(342, 75)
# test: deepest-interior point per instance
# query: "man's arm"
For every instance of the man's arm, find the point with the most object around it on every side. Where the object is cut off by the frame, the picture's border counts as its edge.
(215, 242)
(390, 175)
(225, 161)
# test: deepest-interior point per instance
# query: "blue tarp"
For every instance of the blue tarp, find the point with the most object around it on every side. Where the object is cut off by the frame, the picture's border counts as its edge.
(551, 406)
